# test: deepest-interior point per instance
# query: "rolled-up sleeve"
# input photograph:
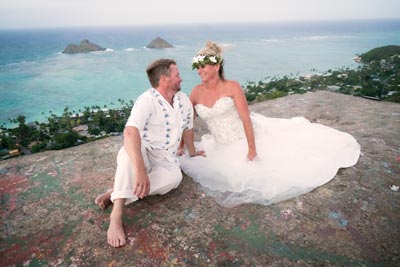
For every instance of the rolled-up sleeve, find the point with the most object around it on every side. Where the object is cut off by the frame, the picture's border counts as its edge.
(141, 111)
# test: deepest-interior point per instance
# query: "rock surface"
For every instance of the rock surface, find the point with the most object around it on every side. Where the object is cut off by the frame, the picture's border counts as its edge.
(159, 43)
(84, 47)
(48, 215)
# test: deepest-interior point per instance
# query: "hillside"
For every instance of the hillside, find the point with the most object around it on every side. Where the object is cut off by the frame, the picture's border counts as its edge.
(48, 215)
(380, 53)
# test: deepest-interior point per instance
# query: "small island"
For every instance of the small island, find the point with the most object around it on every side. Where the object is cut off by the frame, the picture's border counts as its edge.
(84, 47)
(159, 43)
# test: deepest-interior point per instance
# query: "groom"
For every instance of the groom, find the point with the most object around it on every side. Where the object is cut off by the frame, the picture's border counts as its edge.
(147, 163)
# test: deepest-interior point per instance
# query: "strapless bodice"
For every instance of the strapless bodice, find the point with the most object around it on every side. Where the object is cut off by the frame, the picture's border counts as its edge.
(222, 120)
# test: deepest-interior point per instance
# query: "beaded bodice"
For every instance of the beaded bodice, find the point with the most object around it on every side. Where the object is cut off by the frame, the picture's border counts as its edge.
(222, 120)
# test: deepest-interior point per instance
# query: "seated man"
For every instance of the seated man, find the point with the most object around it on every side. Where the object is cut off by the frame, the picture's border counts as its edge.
(147, 164)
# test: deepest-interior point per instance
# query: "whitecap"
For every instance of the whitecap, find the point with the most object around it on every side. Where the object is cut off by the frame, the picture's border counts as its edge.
(323, 37)
(107, 50)
(312, 38)
(273, 41)
(21, 64)
(225, 45)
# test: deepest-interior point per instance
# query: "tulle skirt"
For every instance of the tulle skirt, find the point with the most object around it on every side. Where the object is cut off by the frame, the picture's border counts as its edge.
(294, 157)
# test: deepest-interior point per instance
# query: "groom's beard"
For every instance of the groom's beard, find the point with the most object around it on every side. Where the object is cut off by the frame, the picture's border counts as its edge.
(177, 88)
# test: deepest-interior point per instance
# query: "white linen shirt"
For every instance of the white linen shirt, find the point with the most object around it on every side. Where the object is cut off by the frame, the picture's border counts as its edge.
(161, 125)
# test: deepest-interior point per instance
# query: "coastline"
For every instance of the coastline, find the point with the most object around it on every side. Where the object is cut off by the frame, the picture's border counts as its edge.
(31, 68)
(376, 79)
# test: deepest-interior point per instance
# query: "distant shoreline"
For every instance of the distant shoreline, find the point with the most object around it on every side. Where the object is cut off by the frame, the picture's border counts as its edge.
(195, 24)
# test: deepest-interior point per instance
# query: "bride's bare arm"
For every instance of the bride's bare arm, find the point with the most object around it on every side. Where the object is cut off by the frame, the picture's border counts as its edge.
(188, 137)
(244, 114)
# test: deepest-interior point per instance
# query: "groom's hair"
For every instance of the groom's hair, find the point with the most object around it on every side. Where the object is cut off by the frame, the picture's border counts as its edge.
(158, 68)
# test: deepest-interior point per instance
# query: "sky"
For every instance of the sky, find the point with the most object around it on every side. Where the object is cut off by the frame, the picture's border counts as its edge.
(73, 13)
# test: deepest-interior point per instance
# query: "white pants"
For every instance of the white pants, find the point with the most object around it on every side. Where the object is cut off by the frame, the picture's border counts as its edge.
(164, 176)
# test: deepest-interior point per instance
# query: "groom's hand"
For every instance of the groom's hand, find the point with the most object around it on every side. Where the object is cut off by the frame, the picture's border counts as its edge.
(141, 188)
(180, 152)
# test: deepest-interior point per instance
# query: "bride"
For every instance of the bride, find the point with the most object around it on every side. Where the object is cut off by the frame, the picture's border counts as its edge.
(251, 158)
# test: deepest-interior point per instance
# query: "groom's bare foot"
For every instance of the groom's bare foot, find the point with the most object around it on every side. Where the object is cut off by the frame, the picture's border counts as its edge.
(104, 200)
(115, 234)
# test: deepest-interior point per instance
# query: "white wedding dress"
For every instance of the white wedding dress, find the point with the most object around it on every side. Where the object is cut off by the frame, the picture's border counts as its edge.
(294, 156)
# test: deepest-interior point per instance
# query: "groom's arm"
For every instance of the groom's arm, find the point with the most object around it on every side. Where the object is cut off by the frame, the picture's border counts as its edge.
(132, 145)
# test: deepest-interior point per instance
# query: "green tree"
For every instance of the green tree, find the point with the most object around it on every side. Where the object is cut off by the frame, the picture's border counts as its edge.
(64, 140)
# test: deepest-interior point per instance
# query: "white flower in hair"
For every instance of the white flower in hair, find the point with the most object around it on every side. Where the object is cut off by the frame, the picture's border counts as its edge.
(198, 59)
(202, 60)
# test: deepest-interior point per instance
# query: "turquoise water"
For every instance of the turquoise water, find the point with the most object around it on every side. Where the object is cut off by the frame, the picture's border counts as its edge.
(36, 78)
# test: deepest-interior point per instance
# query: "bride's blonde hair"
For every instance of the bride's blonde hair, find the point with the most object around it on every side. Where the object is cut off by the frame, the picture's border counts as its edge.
(212, 49)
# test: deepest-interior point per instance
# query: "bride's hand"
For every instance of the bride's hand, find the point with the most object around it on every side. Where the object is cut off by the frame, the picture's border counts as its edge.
(251, 155)
(199, 153)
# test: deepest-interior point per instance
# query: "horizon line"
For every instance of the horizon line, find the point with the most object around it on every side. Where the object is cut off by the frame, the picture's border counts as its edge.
(197, 23)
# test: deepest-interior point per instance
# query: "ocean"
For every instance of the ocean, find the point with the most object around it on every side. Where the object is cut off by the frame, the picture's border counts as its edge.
(36, 78)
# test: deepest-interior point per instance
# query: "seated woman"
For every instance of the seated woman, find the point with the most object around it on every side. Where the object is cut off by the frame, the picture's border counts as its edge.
(251, 158)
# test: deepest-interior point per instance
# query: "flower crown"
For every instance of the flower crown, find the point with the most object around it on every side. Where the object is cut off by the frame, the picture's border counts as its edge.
(202, 60)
